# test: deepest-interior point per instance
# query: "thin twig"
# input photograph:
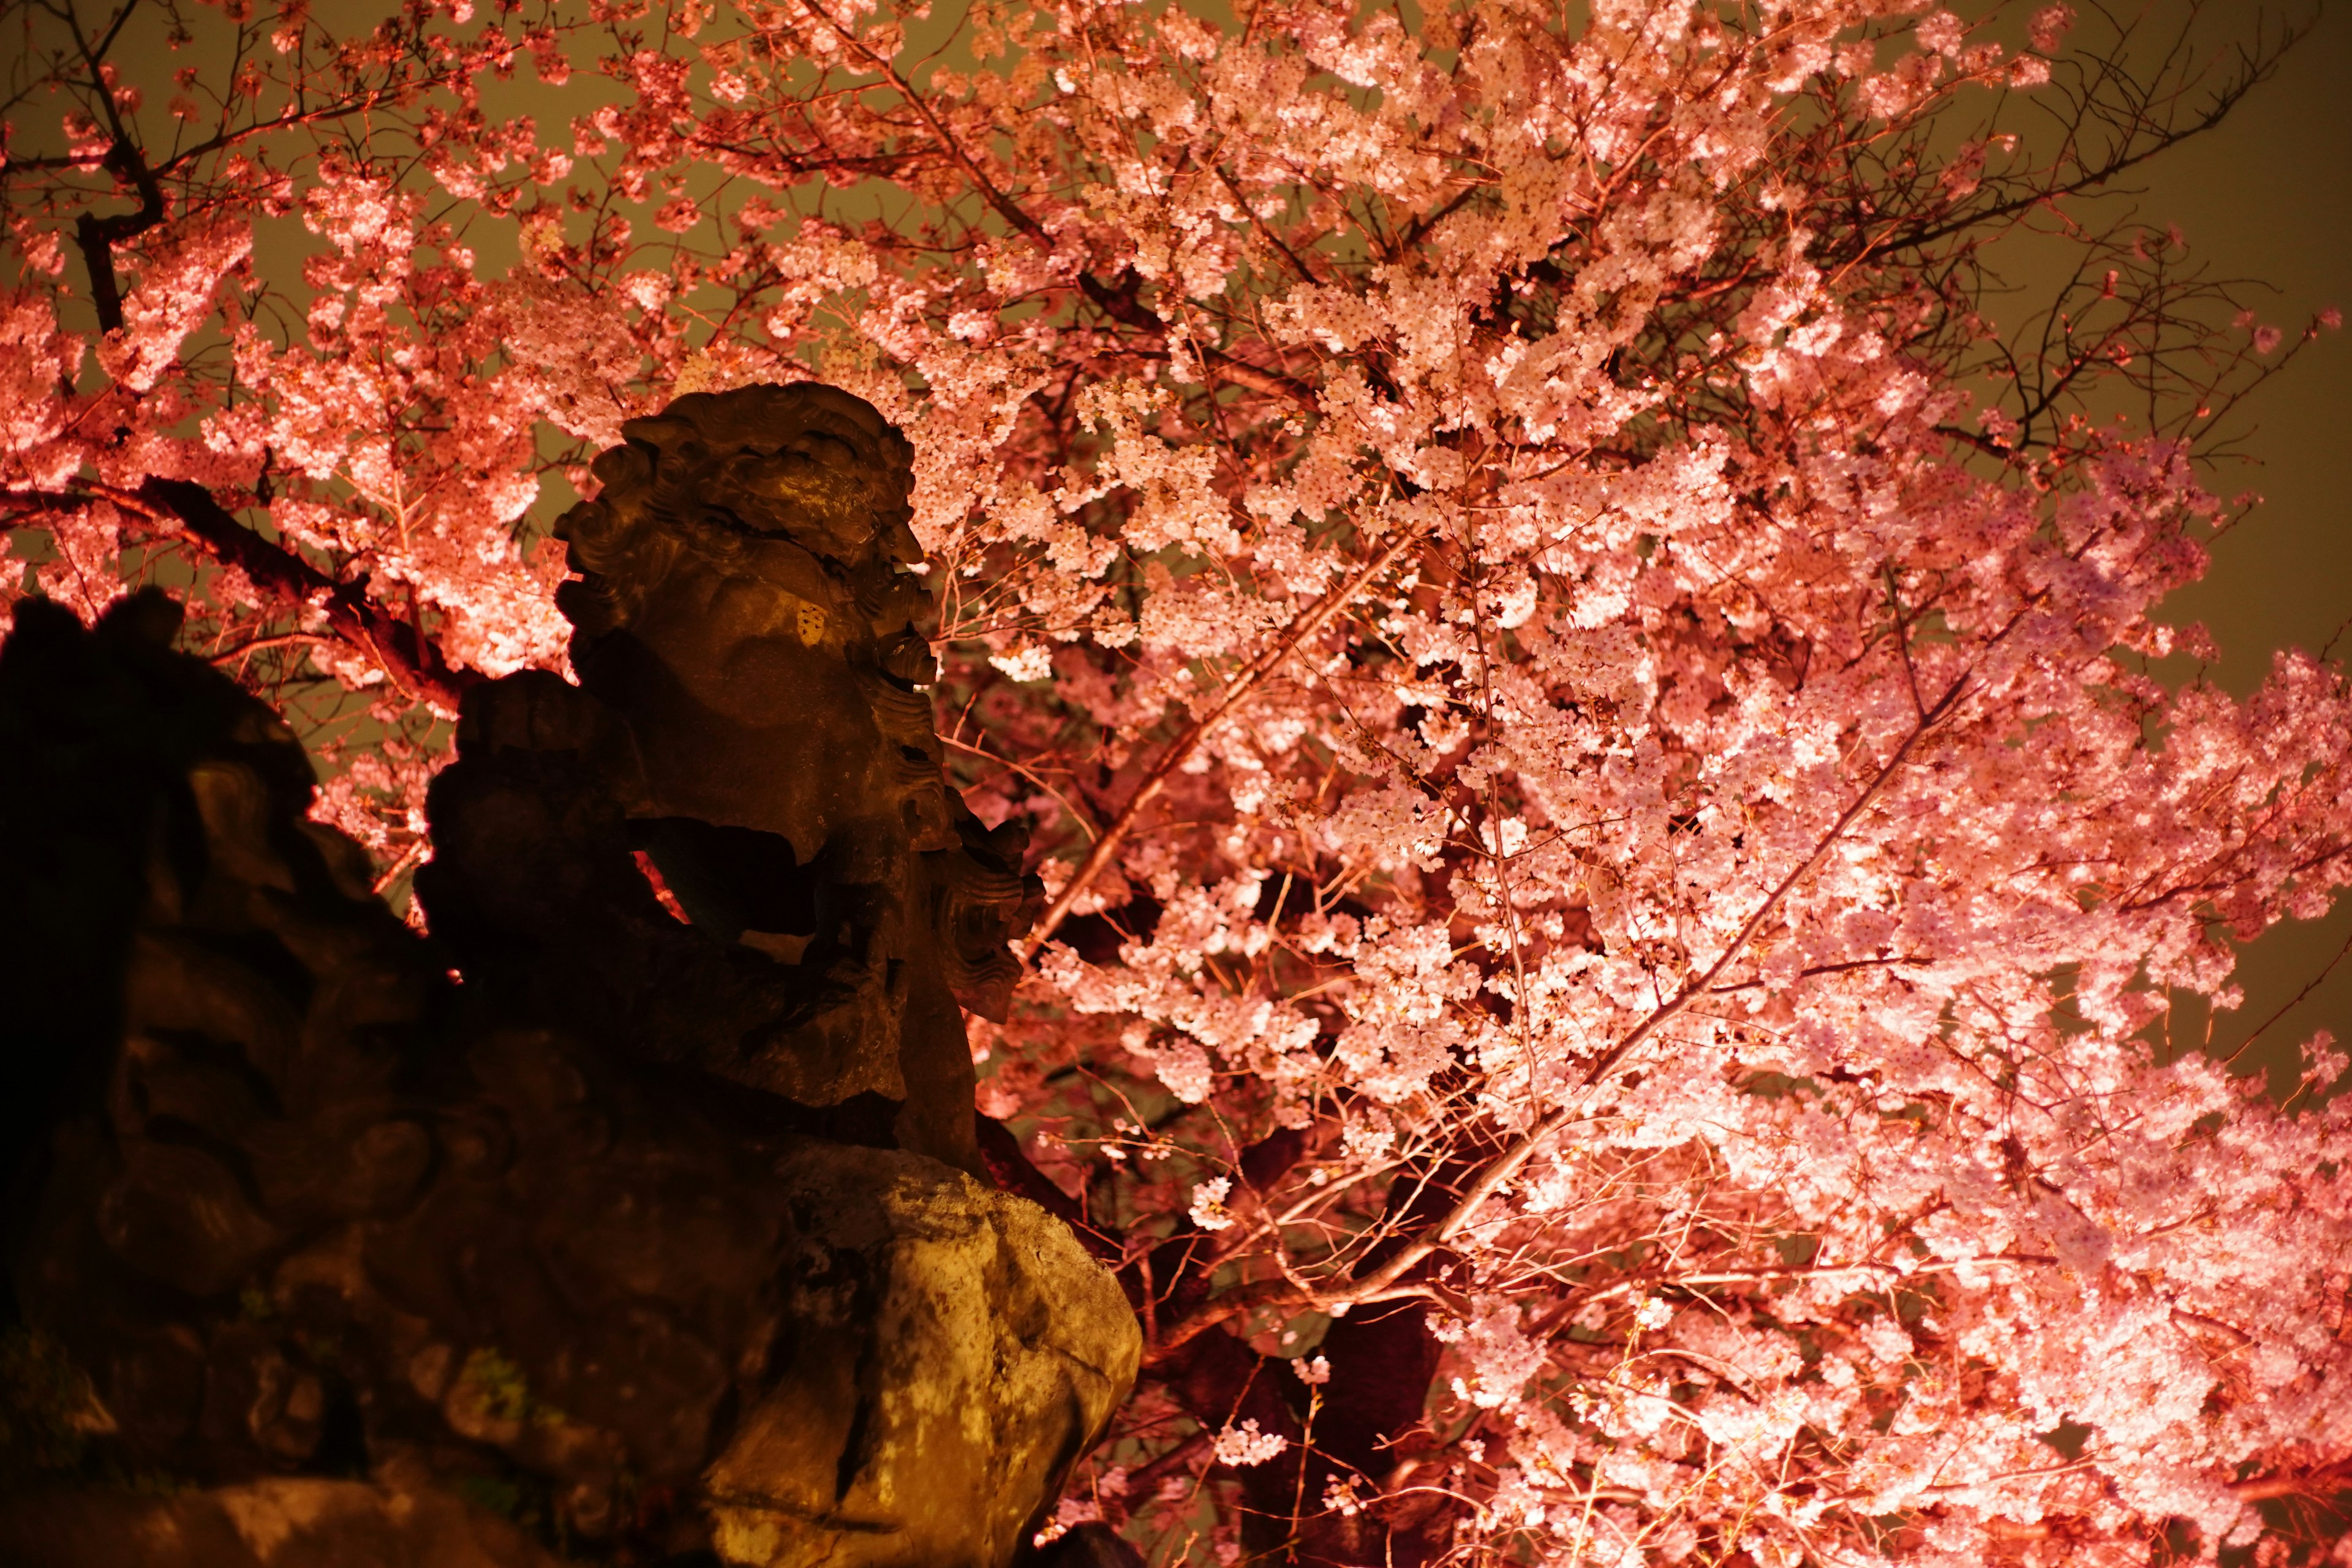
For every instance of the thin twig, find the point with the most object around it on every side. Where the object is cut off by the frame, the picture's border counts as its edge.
(1185, 745)
(1504, 1167)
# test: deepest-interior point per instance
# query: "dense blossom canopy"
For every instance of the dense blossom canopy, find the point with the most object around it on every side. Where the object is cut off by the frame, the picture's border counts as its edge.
(1615, 859)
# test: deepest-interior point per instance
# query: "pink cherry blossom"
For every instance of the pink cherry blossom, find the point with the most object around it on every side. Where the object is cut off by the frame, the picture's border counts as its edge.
(1618, 854)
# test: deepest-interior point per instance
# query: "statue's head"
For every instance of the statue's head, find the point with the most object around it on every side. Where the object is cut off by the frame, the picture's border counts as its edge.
(747, 600)
(715, 471)
(749, 604)
(715, 476)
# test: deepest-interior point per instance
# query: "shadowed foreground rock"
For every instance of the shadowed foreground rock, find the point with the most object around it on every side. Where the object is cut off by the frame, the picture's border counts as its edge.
(279, 1523)
(644, 1239)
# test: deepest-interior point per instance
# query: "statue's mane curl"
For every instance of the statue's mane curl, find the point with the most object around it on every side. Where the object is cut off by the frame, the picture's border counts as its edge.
(715, 471)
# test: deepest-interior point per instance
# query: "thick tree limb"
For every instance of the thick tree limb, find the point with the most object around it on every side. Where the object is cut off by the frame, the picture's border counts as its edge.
(408, 660)
(97, 236)
(412, 664)
(2323, 1481)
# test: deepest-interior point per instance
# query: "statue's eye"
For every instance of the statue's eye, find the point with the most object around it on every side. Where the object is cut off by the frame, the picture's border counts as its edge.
(829, 450)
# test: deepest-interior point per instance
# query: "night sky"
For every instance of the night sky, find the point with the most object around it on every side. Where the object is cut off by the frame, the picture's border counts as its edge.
(2268, 195)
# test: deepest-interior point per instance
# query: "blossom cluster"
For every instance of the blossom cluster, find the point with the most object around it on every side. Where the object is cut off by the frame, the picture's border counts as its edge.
(1619, 861)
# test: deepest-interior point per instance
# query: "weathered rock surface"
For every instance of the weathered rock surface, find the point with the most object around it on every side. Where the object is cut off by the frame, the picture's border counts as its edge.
(930, 1316)
(293, 1522)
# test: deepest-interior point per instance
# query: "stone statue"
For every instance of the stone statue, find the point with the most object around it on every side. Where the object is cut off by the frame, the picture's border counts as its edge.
(579, 1227)
(753, 646)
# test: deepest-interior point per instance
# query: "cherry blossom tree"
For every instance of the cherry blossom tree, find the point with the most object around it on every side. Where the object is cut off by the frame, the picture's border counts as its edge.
(1586, 686)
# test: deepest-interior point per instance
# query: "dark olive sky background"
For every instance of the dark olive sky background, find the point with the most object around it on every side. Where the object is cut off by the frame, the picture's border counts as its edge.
(2266, 197)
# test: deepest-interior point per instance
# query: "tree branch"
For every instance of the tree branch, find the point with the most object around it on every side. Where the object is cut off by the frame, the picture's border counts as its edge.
(1246, 682)
(410, 662)
(97, 236)
(1500, 1170)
